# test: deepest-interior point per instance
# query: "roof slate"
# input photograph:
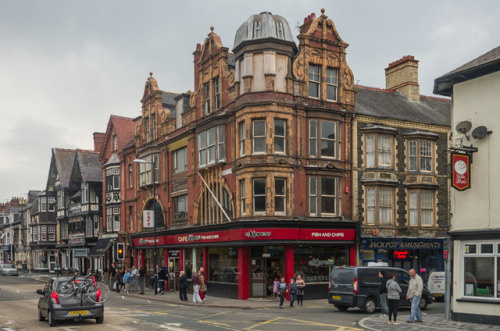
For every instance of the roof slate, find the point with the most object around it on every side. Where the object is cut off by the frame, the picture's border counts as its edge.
(168, 98)
(390, 104)
(493, 55)
(90, 167)
(64, 159)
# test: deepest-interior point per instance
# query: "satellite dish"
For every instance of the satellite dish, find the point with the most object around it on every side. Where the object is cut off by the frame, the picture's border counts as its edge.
(480, 132)
(463, 127)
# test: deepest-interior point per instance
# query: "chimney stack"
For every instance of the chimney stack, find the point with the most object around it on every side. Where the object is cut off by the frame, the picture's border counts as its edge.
(99, 141)
(402, 76)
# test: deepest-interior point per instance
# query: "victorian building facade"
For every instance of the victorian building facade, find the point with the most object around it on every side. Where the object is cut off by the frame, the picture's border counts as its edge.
(400, 171)
(252, 168)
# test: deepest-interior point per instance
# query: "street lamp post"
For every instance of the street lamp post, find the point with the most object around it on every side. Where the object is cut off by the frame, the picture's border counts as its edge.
(154, 219)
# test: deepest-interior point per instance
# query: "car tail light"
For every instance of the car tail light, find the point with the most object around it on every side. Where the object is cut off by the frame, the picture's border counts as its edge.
(55, 298)
(98, 295)
(355, 285)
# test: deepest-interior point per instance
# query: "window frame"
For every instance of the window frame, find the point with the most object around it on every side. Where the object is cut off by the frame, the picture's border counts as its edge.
(176, 214)
(264, 195)
(318, 196)
(178, 169)
(206, 98)
(331, 83)
(280, 196)
(418, 155)
(243, 195)
(419, 207)
(377, 205)
(208, 146)
(318, 139)
(146, 170)
(377, 152)
(312, 75)
(277, 137)
(495, 255)
(242, 137)
(259, 137)
(216, 83)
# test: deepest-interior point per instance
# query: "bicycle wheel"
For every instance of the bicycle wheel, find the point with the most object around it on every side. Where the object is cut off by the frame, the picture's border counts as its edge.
(98, 292)
(65, 289)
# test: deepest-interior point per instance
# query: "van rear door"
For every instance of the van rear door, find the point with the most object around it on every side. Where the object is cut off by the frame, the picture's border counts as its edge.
(342, 290)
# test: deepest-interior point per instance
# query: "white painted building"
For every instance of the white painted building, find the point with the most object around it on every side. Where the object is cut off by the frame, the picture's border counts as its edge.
(475, 221)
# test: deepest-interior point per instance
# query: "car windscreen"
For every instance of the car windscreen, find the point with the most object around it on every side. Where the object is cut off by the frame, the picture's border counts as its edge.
(7, 266)
(343, 276)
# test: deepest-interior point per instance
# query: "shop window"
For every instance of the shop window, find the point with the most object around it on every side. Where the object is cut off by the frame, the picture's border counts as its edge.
(280, 196)
(379, 206)
(315, 262)
(279, 136)
(322, 139)
(421, 208)
(180, 161)
(180, 207)
(314, 81)
(193, 258)
(331, 84)
(146, 170)
(242, 138)
(211, 146)
(378, 151)
(420, 155)
(259, 136)
(259, 196)
(223, 264)
(480, 274)
(323, 196)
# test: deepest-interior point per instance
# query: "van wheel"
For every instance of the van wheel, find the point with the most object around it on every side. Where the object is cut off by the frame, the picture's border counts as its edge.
(423, 304)
(369, 306)
(341, 308)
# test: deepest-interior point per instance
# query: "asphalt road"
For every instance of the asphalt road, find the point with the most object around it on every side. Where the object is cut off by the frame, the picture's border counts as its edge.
(18, 311)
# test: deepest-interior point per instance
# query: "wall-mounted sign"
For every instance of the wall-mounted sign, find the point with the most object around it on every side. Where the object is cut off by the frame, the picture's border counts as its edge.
(401, 255)
(460, 164)
(148, 218)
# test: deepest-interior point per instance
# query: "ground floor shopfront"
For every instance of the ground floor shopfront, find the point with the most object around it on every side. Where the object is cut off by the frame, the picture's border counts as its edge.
(476, 276)
(242, 259)
(425, 255)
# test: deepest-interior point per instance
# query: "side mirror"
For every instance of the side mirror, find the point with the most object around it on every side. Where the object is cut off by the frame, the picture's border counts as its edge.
(39, 292)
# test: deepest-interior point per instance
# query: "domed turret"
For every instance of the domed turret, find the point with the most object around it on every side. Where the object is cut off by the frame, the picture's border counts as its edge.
(262, 26)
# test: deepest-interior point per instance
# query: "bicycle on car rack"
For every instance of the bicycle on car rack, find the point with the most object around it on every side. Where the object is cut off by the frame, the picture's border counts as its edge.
(85, 286)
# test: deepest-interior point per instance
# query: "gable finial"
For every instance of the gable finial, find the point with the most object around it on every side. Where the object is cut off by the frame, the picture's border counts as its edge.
(151, 74)
(212, 28)
(322, 11)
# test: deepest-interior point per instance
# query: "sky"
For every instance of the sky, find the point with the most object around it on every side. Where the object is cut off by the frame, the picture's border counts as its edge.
(67, 65)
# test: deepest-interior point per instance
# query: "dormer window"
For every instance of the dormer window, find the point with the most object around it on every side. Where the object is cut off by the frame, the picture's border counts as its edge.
(280, 31)
(256, 29)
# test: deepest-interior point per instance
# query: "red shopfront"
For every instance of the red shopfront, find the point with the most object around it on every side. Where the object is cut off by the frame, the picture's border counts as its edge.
(241, 261)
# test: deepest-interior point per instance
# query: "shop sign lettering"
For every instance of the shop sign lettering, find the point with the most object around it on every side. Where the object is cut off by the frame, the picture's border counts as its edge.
(257, 275)
(147, 241)
(193, 238)
(404, 244)
(256, 234)
(327, 234)
(319, 263)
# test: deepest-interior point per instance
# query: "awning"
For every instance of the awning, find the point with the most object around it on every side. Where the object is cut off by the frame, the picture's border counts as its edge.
(101, 247)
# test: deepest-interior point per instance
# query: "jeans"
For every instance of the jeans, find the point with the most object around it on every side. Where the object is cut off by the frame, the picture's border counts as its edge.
(141, 284)
(182, 294)
(292, 299)
(415, 309)
(282, 298)
(383, 303)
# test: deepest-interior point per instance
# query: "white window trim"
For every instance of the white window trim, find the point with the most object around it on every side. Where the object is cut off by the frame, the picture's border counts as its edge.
(496, 257)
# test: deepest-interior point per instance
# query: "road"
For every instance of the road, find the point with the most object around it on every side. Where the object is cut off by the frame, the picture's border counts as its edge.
(18, 311)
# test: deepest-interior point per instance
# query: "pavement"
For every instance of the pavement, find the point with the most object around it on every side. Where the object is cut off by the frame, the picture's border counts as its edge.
(372, 322)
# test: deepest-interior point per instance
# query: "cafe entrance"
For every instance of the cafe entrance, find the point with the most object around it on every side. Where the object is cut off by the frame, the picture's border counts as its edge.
(266, 264)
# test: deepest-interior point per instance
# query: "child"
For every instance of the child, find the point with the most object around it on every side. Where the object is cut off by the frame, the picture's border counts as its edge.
(281, 291)
(275, 287)
(292, 288)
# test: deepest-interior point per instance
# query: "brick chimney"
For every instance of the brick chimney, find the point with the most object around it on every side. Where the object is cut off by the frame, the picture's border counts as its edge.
(98, 141)
(402, 76)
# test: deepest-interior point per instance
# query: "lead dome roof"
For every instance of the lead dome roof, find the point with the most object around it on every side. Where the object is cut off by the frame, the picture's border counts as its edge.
(263, 26)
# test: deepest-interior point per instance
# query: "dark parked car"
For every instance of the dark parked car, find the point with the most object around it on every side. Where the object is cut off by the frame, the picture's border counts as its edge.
(359, 287)
(60, 301)
(8, 269)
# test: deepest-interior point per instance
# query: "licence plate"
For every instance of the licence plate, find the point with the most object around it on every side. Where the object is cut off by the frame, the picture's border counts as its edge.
(336, 297)
(438, 294)
(79, 312)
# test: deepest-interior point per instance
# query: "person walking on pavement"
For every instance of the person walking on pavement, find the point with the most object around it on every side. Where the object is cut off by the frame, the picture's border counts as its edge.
(142, 278)
(282, 290)
(276, 282)
(183, 284)
(292, 289)
(300, 290)
(196, 287)
(383, 293)
(118, 281)
(204, 297)
(414, 293)
(162, 277)
(202, 285)
(135, 279)
(393, 296)
(155, 278)
(127, 281)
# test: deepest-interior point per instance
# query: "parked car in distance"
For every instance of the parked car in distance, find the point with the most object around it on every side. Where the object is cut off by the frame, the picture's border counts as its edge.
(359, 287)
(8, 269)
(436, 284)
(59, 301)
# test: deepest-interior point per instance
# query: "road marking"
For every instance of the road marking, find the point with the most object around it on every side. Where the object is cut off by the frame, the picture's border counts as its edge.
(262, 323)
(291, 321)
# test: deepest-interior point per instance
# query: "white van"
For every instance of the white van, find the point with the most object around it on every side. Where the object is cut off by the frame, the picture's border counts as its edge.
(436, 284)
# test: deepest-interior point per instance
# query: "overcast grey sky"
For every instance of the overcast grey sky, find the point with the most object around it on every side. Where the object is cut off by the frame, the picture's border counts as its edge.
(67, 65)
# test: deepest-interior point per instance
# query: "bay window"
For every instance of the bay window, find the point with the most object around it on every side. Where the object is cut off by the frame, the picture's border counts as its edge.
(378, 151)
(146, 170)
(314, 80)
(211, 147)
(379, 205)
(279, 136)
(259, 195)
(420, 155)
(421, 207)
(259, 136)
(331, 83)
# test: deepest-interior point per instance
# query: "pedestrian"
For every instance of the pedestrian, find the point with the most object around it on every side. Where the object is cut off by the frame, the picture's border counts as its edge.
(183, 283)
(205, 281)
(196, 287)
(118, 281)
(382, 291)
(112, 275)
(135, 279)
(202, 285)
(300, 290)
(162, 277)
(393, 296)
(276, 282)
(142, 278)
(292, 289)
(282, 290)
(127, 280)
(414, 293)
(155, 279)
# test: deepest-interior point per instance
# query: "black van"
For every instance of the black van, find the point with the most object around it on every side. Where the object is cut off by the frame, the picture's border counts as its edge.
(359, 287)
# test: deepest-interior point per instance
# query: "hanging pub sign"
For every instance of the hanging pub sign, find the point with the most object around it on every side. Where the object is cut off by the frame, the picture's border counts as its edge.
(148, 217)
(460, 171)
